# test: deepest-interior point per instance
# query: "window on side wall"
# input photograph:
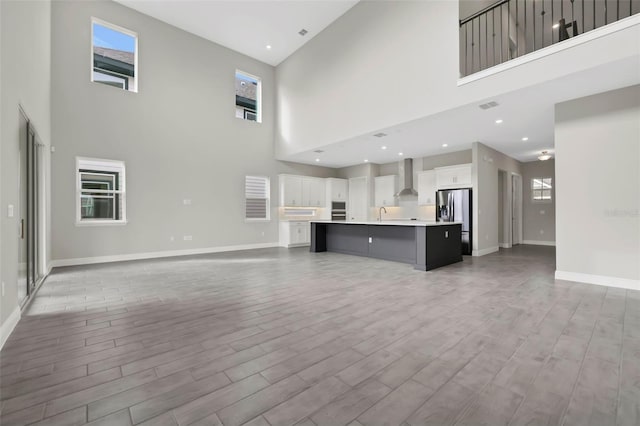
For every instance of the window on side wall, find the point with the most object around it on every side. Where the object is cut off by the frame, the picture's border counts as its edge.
(248, 97)
(114, 56)
(100, 189)
(541, 189)
(257, 197)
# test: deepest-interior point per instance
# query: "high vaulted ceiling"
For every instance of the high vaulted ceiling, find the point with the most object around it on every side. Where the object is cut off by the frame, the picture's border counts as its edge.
(248, 26)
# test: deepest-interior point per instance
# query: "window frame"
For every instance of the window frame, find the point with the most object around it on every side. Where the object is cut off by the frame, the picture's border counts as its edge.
(268, 199)
(539, 191)
(258, 111)
(136, 69)
(97, 165)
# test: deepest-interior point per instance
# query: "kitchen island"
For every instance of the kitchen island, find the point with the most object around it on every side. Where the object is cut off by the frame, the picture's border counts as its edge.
(426, 245)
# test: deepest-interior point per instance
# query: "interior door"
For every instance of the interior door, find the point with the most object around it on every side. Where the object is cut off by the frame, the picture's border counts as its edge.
(22, 212)
(516, 209)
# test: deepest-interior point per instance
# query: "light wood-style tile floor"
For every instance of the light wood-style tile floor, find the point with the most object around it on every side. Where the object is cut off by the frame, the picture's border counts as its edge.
(284, 337)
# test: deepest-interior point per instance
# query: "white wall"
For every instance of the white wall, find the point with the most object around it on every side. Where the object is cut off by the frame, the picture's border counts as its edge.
(597, 143)
(486, 163)
(390, 62)
(178, 136)
(539, 217)
(24, 80)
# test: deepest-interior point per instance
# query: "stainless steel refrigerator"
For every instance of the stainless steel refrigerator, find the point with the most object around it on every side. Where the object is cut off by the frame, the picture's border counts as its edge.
(454, 205)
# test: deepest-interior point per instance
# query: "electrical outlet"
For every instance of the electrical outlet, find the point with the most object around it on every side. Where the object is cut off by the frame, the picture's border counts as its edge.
(541, 231)
(188, 237)
(263, 233)
(186, 202)
(10, 210)
(542, 212)
(171, 238)
(370, 240)
(2, 288)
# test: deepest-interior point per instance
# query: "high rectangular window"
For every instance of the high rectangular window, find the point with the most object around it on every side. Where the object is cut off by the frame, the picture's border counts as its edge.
(257, 195)
(114, 56)
(541, 188)
(248, 97)
(100, 188)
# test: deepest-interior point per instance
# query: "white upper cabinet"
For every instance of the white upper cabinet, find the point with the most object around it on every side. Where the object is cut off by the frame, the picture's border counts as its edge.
(301, 191)
(427, 188)
(337, 189)
(385, 189)
(290, 191)
(313, 192)
(454, 176)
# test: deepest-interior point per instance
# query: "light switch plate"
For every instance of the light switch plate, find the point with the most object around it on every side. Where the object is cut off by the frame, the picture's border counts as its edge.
(10, 210)
(370, 240)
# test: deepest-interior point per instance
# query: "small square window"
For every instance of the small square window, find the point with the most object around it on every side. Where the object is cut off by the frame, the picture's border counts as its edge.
(248, 97)
(541, 189)
(100, 187)
(114, 56)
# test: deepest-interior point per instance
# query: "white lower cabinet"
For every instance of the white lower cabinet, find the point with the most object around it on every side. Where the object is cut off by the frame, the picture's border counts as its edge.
(295, 234)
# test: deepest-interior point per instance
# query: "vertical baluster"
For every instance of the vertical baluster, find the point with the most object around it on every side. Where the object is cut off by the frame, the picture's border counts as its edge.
(486, 40)
(501, 32)
(572, 18)
(605, 11)
(583, 29)
(466, 49)
(594, 14)
(473, 35)
(525, 27)
(542, 13)
(630, 8)
(534, 25)
(493, 32)
(517, 26)
(509, 30)
(618, 10)
(553, 21)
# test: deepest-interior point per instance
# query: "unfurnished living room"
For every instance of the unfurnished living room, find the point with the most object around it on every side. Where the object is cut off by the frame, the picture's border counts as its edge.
(320, 212)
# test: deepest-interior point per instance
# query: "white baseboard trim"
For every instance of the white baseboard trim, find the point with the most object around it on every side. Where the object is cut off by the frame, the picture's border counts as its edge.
(156, 254)
(9, 324)
(539, 243)
(482, 252)
(505, 245)
(598, 280)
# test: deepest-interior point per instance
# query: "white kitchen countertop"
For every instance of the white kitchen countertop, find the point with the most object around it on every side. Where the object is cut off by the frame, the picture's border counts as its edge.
(389, 222)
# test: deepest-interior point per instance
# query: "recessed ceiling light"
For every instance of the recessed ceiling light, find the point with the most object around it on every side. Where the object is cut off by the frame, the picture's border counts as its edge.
(499, 121)
(400, 154)
(525, 139)
(556, 25)
(383, 147)
(444, 145)
(268, 47)
(317, 160)
(366, 161)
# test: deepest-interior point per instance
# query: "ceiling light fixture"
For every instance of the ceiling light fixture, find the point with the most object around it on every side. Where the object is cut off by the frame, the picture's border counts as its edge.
(400, 154)
(525, 139)
(268, 47)
(366, 161)
(317, 160)
(499, 121)
(544, 156)
(383, 147)
(444, 145)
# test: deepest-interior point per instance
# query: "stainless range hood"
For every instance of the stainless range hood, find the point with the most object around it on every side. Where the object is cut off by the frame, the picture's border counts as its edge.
(406, 179)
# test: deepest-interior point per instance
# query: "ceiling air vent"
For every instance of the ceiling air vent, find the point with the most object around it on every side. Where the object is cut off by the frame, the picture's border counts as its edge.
(488, 105)
(380, 135)
(303, 32)
(318, 151)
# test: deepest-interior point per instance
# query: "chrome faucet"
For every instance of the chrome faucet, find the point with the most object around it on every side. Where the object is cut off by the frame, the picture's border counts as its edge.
(380, 213)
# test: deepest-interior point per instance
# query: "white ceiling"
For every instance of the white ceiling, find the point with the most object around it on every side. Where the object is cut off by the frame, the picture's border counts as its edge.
(525, 113)
(248, 26)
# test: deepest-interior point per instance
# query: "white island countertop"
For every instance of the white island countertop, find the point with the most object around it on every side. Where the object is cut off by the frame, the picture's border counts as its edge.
(389, 222)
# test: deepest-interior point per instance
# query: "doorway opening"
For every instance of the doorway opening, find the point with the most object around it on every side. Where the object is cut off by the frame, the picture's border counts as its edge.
(516, 209)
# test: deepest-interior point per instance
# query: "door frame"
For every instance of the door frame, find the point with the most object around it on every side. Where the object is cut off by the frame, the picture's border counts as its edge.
(516, 201)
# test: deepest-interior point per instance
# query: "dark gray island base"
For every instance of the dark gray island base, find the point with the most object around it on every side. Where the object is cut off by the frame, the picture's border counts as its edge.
(426, 246)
